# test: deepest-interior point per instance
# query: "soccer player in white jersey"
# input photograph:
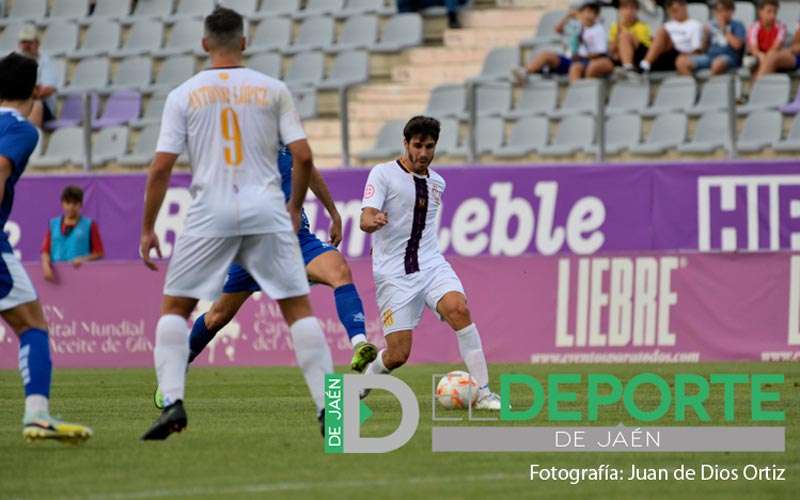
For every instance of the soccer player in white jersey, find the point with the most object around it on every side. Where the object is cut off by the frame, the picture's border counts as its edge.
(400, 207)
(231, 121)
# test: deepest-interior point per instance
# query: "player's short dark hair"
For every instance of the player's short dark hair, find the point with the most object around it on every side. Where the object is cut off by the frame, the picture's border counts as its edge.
(72, 194)
(424, 126)
(224, 28)
(18, 76)
(629, 3)
(764, 3)
(593, 6)
(670, 3)
(725, 4)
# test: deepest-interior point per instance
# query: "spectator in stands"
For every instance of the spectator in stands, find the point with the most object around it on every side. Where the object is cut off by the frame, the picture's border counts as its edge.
(765, 36)
(588, 47)
(452, 6)
(679, 35)
(46, 89)
(628, 38)
(725, 38)
(70, 237)
(783, 59)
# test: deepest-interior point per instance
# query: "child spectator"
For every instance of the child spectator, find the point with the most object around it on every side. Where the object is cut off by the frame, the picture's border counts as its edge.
(587, 54)
(629, 38)
(726, 39)
(679, 35)
(765, 36)
(782, 59)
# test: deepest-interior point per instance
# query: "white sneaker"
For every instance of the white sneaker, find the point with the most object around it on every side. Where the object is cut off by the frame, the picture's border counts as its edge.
(488, 401)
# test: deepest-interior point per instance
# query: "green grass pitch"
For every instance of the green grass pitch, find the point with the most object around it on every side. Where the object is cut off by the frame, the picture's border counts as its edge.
(252, 434)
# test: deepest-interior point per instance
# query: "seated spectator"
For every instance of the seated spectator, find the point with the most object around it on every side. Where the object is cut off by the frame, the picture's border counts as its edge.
(588, 46)
(765, 36)
(679, 35)
(783, 59)
(726, 39)
(70, 237)
(45, 102)
(452, 6)
(628, 38)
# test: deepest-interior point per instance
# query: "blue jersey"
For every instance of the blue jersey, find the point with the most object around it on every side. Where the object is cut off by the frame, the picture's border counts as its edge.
(18, 139)
(285, 168)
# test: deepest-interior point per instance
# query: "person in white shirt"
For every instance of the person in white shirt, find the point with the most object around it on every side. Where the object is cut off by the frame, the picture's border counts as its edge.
(681, 37)
(230, 120)
(400, 207)
(587, 52)
(48, 77)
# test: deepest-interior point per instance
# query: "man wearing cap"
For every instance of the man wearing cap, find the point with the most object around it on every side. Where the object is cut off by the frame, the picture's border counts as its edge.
(48, 77)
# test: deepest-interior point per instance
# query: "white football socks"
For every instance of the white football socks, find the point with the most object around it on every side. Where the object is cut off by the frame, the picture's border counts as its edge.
(377, 367)
(313, 355)
(36, 405)
(469, 345)
(357, 339)
(171, 356)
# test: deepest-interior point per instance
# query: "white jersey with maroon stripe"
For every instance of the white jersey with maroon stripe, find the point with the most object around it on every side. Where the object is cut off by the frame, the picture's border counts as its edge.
(408, 243)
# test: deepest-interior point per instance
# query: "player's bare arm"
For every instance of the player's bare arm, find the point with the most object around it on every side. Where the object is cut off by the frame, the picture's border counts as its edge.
(302, 165)
(320, 190)
(5, 173)
(157, 183)
(372, 219)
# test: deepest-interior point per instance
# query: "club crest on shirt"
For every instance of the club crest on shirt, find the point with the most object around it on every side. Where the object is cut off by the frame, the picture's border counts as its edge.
(436, 194)
(369, 191)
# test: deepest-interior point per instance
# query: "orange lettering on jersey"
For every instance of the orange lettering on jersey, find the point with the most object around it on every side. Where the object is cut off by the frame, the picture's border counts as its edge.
(388, 318)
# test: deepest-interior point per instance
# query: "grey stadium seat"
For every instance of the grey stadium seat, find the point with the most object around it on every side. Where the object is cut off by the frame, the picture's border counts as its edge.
(574, 134)
(194, 9)
(447, 101)
(153, 8)
(65, 146)
(247, 8)
(271, 34)
(492, 99)
(400, 32)
(768, 92)
(112, 8)
(622, 133)
(387, 144)
(489, 133)
(274, 8)
(133, 73)
(761, 130)
(144, 37)
(269, 63)
(676, 93)
(358, 32)
(152, 112)
(654, 19)
(25, 11)
(527, 135)
(61, 37)
(668, 132)
(581, 98)
(184, 38)
(608, 15)
(545, 30)
(699, 11)
(319, 8)
(349, 68)
(172, 73)
(314, 33)
(109, 144)
(305, 101)
(745, 12)
(792, 142)
(67, 10)
(358, 7)
(789, 13)
(711, 134)
(449, 132)
(713, 96)
(145, 147)
(90, 74)
(10, 37)
(101, 38)
(306, 70)
(628, 97)
(499, 63)
(538, 97)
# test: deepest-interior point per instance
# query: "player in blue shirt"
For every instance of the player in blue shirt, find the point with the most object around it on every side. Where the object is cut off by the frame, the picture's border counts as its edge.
(324, 264)
(19, 305)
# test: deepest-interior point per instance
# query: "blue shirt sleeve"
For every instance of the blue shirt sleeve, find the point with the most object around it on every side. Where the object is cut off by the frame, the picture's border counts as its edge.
(18, 142)
(738, 29)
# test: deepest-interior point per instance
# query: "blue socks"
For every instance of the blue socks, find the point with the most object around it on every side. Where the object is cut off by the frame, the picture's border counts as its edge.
(351, 312)
(34, 362)
(199, 337)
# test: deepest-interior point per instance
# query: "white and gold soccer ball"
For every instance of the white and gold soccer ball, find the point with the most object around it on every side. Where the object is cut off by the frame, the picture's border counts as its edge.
(457, 389)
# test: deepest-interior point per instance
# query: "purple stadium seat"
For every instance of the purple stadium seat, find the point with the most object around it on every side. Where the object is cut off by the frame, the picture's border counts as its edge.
(72, 112)
(122, 107)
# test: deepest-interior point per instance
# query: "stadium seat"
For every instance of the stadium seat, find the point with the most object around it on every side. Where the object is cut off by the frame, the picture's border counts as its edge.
(132, 73)
(538, 97)
(184, 38)
(194, 9)
(152, 112)
(388, 143)
(143, 150)
(268, 63)
(153, 9)
(314, 33)
(793, 107)
(25, 11)
(711, 134)
(359, 32)
(60, 37)
(319, 8)
(39, 150)
(761, 130)
(71, 114)
(65, 146)
(492, 99)
(623, 131)
(447, 101)
(792, 142)
(499, 63)
(67, 10)
(359, 7)
(745, 12)
(349, 68)
(489, 132)
(527, 135)
(400, 32)
(112, 9)
(677, 93)
(713, 96)
(60, 69)
(109, 144)
(574, 134)
(628, 97)
(668, 132)
(654, 20)
(172, 73)
(122, 107)
(699, 11)
(274, 8)
(608, 15)
(9, 38)
(581, 98)
(305, 101)
(101, 38)
(448, 136)
(247, 8)
(307, 69)
(545, 30)
(789, 13)
(271, 34)
(768, 92)
(144, 37)
(91, 74)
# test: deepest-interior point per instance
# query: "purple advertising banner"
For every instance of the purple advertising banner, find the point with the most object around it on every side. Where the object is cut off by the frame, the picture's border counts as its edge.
(495, 211)
(617, 308)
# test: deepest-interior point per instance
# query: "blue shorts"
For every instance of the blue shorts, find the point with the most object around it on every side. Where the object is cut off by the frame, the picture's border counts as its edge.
(797, 61)
(565, 62)
(240, 280)
(704, 61)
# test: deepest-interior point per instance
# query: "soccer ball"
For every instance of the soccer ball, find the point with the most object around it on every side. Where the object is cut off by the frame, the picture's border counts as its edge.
(457, 389)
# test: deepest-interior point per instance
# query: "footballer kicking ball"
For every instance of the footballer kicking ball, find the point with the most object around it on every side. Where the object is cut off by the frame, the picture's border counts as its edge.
(457, 389)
